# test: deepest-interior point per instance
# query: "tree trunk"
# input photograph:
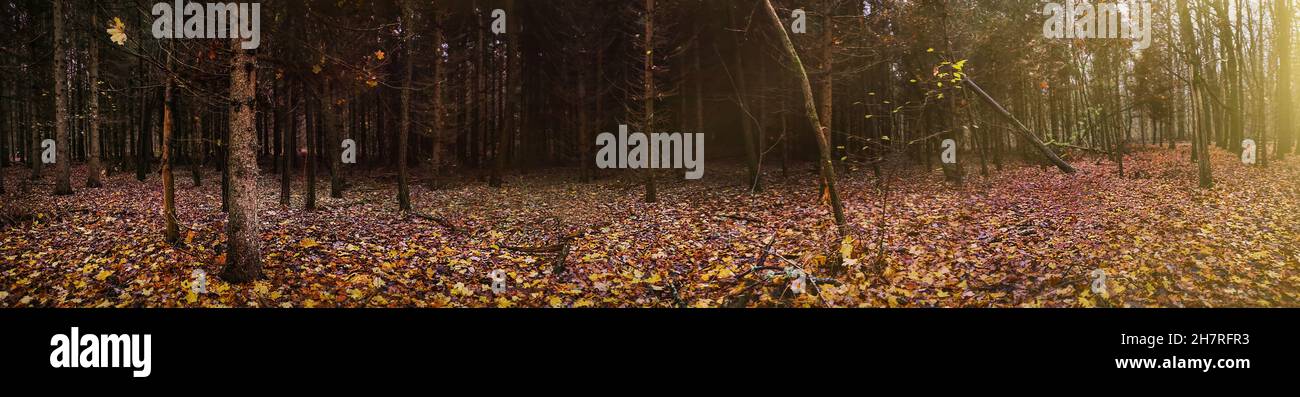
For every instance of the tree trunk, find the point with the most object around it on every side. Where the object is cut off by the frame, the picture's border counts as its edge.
(244, 260)
(332, 141)
(1200, 135)
(287, 148)
(1283, 112)
(435, 150)
(810, 109)
(93, 162)
(649, 77)
(171, 233)
(63, 176)
(1023, 131)
(310, 124)
(512, 90)
(751, 147)
(404, 130)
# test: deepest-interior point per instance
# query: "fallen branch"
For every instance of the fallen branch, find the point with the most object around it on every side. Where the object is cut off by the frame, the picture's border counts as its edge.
(741, 218)
(440, 221)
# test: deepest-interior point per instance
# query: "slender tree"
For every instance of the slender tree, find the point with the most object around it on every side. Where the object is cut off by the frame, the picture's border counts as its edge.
(649, 95)
(62, 181)
(404, 130)
(93, 163)
(821, 129)
(1283, 110)
(171, 233)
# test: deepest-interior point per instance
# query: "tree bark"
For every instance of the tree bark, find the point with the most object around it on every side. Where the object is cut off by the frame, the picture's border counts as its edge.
(244, 258)
(649, 77)
(287, 148)
(171, 232)
(512, 90)
(1200, 136)
(309, 125)
(93, 162)
(1283, 112)
(63, 167)
(404, 130)
(435, 151)
(332, 141)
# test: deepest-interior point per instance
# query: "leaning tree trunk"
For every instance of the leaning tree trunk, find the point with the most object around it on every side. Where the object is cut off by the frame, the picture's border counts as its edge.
(63, 167)
(1023, 131)
(810, 109)
(244, 258)
(93, 163)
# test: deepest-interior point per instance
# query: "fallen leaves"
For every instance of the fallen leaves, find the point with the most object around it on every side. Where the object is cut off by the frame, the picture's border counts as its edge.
(1023, 237)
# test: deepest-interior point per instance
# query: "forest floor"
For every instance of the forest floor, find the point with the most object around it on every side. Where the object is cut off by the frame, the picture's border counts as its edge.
(1026, 236)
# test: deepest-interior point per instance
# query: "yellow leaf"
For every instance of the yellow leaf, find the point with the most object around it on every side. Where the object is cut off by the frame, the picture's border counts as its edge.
(191, 297)
(846, 247)
(308, 243)
(103, 274)
(555, 301)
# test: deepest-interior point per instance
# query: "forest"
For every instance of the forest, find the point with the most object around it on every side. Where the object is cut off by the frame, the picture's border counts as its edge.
(649, 153)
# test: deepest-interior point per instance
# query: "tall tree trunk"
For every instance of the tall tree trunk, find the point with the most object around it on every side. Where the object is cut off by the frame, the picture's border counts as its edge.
(287, 148)
(195, 148)
(512, 90)
(171, 233)
(1200, 137)
(439, 69)
(649, 77)
(1283, 111)
(404, 130)
(93, 163)
(244, 260)
(820, 130)
(332, 141)
(584, 141)
(63, 167)
(746, 115)
(313, 150)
